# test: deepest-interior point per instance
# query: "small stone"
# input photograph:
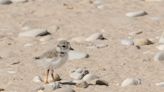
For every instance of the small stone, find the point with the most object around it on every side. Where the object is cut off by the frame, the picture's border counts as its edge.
(45, 38)
(64, 89)
(74, 55)
(79, 73)
(34, 33)
(161, 84)
(127, 42)
(90, 77)
(4, 2)
(37, 79)
(1, 89)
(159, 57)
(141, 42)
(95, 36)
(82, 84)
(76, 76)
(131, 82)
(160, 47)
(52, 86)
(102, 82)
(136, 14)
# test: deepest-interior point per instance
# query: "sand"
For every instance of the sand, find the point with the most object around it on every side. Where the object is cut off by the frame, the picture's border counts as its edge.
(72, 18)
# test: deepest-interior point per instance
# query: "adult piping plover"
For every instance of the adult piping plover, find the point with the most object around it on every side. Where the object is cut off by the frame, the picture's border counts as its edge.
(54, 58)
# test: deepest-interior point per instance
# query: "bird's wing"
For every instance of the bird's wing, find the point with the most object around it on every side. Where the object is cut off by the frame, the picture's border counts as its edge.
(46, 62)
(49, 54)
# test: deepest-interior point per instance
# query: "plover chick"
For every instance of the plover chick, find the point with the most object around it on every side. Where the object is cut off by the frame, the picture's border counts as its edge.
(54, 58)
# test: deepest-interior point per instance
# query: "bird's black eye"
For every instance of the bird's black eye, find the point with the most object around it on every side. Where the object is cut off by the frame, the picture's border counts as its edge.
(64, 46)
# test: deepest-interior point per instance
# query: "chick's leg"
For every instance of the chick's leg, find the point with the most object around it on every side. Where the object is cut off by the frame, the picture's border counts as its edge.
(46, 75)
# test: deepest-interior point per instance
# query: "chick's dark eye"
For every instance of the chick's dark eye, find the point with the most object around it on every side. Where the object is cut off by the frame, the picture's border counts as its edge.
(63, 46)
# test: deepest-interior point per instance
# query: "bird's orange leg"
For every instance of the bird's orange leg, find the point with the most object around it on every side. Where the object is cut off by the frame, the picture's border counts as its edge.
(52, 74)
(46, 76)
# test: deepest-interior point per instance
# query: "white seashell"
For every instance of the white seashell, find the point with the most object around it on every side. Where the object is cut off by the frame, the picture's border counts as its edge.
(94, 37)
(127, 42)
(33, 33)
(90, 77)
(136, 14)
(130, 82)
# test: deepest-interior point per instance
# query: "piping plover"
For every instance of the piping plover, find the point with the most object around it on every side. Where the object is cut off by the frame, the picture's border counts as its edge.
(54, 58)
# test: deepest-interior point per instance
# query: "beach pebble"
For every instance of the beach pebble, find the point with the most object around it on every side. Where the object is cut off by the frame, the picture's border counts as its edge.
(37, 79)
(160, 47)
(159, 56)
(141, 42)
(3, 2)
(160, 84)
(75, 55)
(51, 86)
(102, 82)
(76, 76)
(2, 89)
(64, 89)
(131, 82)
(136, 14)
(79, 73)
(82, 84)
(19, 1)
(127, 42)
(34, 33)
(90, 77)
(95, 36)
